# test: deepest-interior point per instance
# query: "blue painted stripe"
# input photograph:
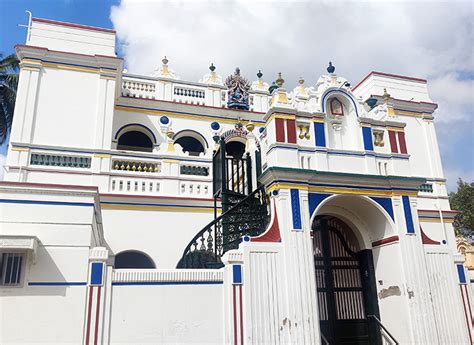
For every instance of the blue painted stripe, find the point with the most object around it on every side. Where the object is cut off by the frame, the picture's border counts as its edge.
(41, 202)
(354, 154)
(167, 283)
(143, 204)
(461, 274)
(237, 274)
(97, 272)
(367, 135)
(295, 208)
(386, 203)
(315, 199)
(319, 134)
(408, 215)
(181, 112)
(57, 283)
(347, 186)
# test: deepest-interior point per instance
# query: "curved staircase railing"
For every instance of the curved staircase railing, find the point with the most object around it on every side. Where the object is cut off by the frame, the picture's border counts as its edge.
(249, 216)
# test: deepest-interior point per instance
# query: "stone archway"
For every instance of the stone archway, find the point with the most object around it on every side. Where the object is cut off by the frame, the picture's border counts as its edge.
(371, 223)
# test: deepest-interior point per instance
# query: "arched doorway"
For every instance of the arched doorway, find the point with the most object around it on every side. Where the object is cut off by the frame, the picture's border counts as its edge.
(345, 282)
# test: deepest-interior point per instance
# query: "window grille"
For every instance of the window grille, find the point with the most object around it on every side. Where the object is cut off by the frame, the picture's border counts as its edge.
(426, 187)
(10, 269)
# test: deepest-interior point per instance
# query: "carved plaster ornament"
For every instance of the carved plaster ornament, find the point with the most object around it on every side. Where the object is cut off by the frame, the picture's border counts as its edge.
(378, 137)
(164, 71)
(212, 78)
(304, 131)
(259, 85)
(238, 91)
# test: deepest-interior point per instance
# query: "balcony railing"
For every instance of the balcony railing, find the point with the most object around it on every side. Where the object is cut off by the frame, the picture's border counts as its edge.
(138, 89)
(138, 166)
(194, 170)
(60, 160)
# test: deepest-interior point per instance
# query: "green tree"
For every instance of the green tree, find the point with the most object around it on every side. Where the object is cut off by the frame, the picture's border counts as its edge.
(9, 67)
(463, 200)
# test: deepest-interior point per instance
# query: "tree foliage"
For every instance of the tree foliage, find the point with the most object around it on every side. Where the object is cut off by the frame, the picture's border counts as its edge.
(9, 67)
(463, 200)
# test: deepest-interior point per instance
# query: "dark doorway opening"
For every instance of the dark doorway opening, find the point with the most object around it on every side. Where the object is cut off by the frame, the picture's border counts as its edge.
(345, 282)
(133, 259)
(234, 149)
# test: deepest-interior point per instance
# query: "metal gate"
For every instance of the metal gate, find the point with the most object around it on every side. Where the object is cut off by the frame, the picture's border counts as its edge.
(345, 284)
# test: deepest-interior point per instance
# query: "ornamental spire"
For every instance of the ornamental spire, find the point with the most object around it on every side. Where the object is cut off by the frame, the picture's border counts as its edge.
(238, 91)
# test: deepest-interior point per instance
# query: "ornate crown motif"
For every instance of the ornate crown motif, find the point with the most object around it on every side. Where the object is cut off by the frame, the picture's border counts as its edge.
(238, 91)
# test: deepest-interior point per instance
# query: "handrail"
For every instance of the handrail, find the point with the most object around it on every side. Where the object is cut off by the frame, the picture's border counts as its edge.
(215, 221)
(383, 327)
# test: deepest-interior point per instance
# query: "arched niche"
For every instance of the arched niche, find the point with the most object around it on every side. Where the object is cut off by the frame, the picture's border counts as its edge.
(133, 259)
(135, 137)
(343, 126)
(191, 141)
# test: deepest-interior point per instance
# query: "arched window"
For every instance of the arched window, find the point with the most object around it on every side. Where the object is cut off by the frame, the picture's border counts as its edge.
(336, 107)
(133, 259)
(135, 141)
(235, 149)
(191, 141)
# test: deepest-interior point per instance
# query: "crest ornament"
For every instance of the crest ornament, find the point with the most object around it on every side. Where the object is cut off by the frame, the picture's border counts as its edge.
(238, 91)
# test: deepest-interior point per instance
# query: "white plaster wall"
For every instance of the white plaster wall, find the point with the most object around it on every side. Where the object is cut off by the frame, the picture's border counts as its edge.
(163, 235)
(72, 39)
(167, 314)
(66, 108)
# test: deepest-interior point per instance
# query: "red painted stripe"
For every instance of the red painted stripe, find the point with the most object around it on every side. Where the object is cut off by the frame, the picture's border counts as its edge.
(468, 304)
(401, 141)
(425, 239)
(280, 130)
(235, 313)
(55, 22)
(387, 240)
(273, 233)
(89, 310)
(393, 141)
(50, 185)
(241, 317)
(97, 312)
(291, 131)
(467, 317)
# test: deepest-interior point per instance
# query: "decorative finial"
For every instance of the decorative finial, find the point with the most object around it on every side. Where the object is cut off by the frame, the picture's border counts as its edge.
(165, 60)
(279, 82)
(330, 68)
(301, 81)
(212, 67)
(250, 126)
(259, 74)
(385, 96)
(237, 71)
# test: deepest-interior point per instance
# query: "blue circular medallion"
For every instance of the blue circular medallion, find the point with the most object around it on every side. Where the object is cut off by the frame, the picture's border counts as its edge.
(246, 238)
(215, 126)
(275, 192)
(261, 129)
(164, 120)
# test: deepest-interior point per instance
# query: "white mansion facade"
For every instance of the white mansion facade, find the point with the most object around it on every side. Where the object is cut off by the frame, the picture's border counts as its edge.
(147, 209)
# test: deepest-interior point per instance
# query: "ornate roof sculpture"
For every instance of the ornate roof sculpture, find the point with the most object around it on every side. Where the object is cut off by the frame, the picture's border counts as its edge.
(238, 91)
(212, 78)
(164, 71)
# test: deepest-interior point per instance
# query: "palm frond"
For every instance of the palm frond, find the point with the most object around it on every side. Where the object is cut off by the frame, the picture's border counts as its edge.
(9, 64)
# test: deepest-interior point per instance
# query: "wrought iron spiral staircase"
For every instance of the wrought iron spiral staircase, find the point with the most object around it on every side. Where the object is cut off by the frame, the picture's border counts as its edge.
(244, 211)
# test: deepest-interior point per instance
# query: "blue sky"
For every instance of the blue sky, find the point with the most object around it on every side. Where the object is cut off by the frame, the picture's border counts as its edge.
(431, 40)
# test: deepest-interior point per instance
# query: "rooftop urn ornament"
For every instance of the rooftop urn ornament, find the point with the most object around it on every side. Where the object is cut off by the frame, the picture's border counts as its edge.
(238, 91)
(280, 81)
(385, 96)
(371, 102)
(331, 69)
(259, 74)
(212, 67)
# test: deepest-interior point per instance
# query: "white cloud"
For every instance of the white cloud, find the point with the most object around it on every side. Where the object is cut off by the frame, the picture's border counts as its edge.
(431, 40)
